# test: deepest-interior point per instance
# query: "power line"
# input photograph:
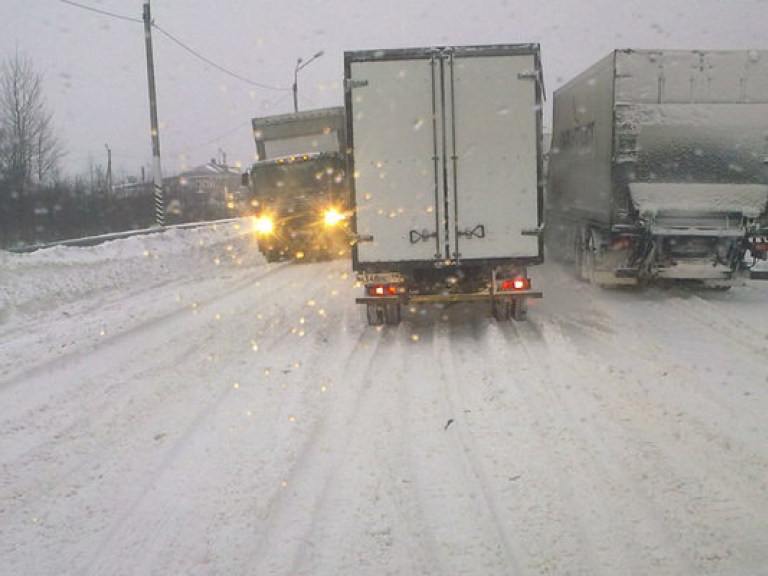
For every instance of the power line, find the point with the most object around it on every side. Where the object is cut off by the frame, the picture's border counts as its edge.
(217, 66)
(104, 12)
(181, 44)
(210, 141)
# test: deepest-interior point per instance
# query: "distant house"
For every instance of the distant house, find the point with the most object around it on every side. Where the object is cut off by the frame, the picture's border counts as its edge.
(202, 193)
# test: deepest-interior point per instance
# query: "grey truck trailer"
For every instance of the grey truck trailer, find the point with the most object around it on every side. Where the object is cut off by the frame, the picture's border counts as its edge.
(658, 168)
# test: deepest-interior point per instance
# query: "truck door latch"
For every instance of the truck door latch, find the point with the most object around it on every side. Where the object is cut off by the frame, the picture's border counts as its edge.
(476, 232)
(423, 236)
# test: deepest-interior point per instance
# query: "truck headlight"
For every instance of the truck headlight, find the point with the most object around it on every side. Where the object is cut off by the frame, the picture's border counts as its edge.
(264, 225)
(332, 217)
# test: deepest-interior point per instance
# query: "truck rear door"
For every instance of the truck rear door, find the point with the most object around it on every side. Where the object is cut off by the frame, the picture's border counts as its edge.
(445, 154)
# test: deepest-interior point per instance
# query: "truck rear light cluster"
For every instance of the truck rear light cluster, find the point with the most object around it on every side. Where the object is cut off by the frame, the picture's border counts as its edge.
(332, 217)
(292, 159)
(759, 249)
(621, 243)
(519, 283)
(385, 290)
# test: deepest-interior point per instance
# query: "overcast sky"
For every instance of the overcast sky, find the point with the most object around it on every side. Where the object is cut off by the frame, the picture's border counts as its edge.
(95, 76)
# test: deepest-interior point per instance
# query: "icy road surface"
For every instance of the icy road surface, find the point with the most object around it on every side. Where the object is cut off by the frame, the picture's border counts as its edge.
(171, 404)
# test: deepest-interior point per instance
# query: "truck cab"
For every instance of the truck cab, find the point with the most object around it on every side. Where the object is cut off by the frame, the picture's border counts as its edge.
(299, 186)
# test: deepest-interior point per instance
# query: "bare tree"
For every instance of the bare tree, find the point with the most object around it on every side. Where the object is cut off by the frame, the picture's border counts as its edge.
(29, 150)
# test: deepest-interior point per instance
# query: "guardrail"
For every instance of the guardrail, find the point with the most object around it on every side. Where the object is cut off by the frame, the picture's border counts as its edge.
(101, 238)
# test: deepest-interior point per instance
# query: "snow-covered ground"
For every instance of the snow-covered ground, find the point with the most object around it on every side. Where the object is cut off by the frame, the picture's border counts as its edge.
(170, 404)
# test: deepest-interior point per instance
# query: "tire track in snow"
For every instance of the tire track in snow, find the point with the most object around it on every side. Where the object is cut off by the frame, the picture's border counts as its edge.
(84, 372)
(133, 332)
(293, 516)
(457, 516)
(117, 430)
(455, 381)
(646, 394)
(605, 526)
(264, 479)
(716, 321)
(128, 535)
(351, 506)
(675, 385)
(691, 451)
(659, 345)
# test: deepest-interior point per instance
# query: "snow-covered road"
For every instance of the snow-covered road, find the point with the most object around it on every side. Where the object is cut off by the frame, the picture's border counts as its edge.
(170, 404)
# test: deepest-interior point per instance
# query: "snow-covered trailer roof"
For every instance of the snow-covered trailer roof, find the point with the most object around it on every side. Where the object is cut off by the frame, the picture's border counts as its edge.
(635, 128)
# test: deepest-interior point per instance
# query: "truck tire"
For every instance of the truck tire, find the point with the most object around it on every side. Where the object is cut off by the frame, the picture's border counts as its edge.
(392, 314)
(588, 255)
(375, 314)
(501, 309)
(272, 256)
(520, 309)
(379, 314)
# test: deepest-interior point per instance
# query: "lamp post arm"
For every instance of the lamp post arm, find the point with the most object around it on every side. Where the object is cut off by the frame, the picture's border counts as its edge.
(300, 64)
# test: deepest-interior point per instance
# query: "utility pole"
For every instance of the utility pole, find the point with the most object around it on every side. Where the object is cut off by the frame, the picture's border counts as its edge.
(157, 169)
(109, 168)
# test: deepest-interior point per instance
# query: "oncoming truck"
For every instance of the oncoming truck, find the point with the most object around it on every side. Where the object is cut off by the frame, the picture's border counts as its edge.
(658, 168)
(445, 152)
(298, 185)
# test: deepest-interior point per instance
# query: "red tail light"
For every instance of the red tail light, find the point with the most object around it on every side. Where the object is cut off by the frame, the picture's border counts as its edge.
(621, 243)
(384, 290)
(515, 284)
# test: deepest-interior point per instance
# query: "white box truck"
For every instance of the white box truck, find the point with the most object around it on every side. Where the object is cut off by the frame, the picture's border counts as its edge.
(658, 170)
(445, 152)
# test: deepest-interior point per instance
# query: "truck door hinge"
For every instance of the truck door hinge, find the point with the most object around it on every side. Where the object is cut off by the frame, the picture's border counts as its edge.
(360, 238)
(537, 77)
(350, 84)
(533, 231)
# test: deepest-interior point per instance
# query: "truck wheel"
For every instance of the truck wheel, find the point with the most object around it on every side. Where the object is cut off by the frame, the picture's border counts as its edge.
(271, 256)
(379, 314)
(588, 254)
(519, 309)
(392, 314)
(375, 313)
(501, 309)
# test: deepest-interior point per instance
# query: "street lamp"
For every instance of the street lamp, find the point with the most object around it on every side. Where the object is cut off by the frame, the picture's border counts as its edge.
(299, 65)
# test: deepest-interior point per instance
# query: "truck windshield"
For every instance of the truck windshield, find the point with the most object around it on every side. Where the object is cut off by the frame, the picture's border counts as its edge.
(298, 178)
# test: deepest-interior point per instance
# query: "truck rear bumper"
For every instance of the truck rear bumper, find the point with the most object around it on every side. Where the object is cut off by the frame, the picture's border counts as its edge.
(620, 277)
(682, 272)
(694, 270)
(445, 298)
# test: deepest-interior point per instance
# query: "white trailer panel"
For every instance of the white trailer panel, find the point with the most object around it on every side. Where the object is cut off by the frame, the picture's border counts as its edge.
(496, 143)
(394, 175)
(446, 154)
